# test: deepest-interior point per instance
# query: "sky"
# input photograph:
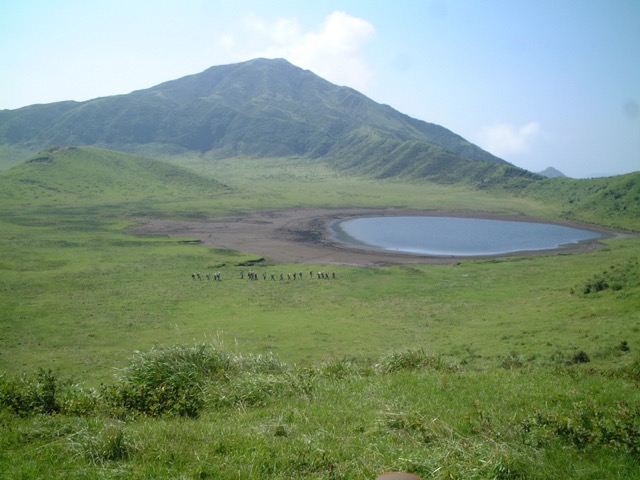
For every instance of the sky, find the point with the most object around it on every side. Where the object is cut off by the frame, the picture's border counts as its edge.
(539, 83)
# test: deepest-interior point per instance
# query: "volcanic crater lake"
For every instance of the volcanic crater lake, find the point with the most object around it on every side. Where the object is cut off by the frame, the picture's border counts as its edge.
(456, 236)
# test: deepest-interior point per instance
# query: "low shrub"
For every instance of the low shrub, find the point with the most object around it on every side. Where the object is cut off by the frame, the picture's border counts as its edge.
(511, 361)
(76, 400)
(127, 399)
(580, 357)
(588, 424)
(30, 395)
(617, 277)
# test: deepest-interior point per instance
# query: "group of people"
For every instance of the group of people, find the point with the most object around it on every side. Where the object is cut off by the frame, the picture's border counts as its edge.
(216, 276)
(252, 275)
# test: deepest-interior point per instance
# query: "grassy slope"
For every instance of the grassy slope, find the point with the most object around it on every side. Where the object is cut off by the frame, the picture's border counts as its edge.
(70, 176)
(79, 296)
(608, 201)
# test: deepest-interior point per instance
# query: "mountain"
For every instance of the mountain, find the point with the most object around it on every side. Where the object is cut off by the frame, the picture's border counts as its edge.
(260, 108)
(551, 172)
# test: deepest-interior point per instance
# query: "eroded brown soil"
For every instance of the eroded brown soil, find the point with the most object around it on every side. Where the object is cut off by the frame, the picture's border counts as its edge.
(304, 235)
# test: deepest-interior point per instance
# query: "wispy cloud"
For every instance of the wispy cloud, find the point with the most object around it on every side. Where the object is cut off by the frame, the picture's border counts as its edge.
(504, 139)
(333, 50)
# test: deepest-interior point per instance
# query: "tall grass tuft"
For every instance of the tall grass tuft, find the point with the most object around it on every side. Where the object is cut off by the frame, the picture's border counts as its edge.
(252, 390)
(262, 363)
(195, 363)
(417, 359)
(168, 381)
(111, 443)
(181, 380)
(340, 369)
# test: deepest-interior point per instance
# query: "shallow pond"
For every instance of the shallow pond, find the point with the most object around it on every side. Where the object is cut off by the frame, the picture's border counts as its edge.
(454, 236)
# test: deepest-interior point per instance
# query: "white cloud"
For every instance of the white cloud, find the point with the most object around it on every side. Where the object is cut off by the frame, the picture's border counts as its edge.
(334, 50)
(505, 139)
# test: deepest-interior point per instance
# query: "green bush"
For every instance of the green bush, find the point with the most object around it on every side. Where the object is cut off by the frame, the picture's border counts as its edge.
(580, 357)
(77, 401)
(30, 395)
(130, 399)
(591, 425)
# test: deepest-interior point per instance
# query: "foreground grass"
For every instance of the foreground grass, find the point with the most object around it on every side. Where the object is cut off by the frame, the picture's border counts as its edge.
(260, 418)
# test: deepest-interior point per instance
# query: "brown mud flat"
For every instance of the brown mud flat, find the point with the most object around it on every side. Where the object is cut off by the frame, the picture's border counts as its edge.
(304, 235)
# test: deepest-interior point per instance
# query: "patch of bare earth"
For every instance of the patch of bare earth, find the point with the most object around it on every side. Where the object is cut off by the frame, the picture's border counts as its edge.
(305, 236)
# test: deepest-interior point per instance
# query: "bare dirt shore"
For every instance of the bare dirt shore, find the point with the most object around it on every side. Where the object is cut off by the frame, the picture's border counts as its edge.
(304, 235)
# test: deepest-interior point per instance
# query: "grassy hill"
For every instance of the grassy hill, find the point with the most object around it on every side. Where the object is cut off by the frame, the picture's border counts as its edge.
(87, 176)
(115, 363)
(609, 201)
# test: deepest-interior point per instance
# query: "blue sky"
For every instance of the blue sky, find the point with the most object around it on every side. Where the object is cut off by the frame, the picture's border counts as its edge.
(537, 82)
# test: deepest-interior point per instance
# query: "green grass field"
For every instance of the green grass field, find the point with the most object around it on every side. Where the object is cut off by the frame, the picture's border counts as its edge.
(494, 368)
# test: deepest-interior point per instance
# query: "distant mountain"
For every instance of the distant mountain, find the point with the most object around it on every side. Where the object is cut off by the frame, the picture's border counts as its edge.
(259, 108)
(551, 172)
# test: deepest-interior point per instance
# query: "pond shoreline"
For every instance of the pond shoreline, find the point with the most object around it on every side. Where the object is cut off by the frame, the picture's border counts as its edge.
(303, 235)
(456, 236)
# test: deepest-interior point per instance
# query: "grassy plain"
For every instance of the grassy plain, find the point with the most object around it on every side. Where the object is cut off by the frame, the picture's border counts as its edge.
(80, 296)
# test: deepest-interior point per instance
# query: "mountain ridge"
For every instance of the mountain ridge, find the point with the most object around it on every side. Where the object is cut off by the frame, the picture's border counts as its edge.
(260, 108)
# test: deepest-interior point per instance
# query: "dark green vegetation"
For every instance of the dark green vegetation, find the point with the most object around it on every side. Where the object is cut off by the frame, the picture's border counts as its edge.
(198, 412)
(115, 363)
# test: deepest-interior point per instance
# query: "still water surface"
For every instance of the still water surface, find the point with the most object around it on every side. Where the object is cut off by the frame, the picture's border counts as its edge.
(456, 236)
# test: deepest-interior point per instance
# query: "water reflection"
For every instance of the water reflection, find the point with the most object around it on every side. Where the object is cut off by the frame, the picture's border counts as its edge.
(453, 236)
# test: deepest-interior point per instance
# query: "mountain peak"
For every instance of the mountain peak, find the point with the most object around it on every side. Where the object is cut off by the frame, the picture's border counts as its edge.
(551, 172)
(261, 107)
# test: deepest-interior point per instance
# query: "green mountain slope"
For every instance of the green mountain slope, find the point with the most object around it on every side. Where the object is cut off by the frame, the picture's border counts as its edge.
(89, 175)
(369, 152)
(261, 108)
(609, 201)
